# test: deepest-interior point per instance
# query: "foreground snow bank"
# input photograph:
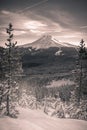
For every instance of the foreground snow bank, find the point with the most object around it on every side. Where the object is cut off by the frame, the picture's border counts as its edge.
(37, 120)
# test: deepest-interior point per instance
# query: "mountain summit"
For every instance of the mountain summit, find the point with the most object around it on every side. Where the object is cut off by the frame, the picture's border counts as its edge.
(47, 41)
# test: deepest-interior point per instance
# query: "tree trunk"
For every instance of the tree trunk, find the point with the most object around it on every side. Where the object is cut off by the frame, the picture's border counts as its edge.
(80, 82)
(7, 107)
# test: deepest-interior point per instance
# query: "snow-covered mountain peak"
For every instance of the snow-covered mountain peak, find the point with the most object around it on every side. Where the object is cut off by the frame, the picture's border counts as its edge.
(47, 41)
(46, 37)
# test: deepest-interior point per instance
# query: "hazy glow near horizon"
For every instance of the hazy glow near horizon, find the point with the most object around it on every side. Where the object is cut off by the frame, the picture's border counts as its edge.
(34, 25)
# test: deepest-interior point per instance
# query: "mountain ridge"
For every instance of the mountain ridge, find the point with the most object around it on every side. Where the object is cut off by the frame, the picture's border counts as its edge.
(47, 41)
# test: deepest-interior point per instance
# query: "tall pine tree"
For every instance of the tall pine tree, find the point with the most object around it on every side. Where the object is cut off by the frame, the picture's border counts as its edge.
(12, 70)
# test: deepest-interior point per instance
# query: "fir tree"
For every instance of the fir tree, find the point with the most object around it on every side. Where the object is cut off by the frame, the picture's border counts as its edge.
(81, 69)
(12, 69)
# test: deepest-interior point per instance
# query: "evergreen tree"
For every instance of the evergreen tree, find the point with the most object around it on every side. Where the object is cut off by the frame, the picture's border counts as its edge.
(81, 69)
(12, 70)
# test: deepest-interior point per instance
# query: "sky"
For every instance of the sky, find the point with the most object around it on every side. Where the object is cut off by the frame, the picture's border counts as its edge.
(65, 20)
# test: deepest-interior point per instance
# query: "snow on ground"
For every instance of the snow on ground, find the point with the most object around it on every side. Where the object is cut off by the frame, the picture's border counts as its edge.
(37, 120)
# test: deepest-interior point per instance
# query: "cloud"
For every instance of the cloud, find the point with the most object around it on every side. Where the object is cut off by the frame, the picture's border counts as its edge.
(30, 25)
(5, 12)
(17, 33)
(84, 27)
(34, 25)
(37, 32)
(62, 17)
(38, 23)
(32, 6)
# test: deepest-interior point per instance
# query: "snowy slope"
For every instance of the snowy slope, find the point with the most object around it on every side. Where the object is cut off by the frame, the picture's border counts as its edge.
(47, 41)
(36, 120)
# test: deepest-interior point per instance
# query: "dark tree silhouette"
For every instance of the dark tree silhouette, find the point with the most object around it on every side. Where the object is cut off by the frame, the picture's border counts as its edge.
(13, 70)
(81, 57)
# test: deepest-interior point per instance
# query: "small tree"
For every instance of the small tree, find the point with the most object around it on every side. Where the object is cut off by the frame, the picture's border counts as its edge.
(81, 57)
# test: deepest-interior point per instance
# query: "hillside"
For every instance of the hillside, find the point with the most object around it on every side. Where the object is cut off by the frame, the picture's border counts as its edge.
(36, 120)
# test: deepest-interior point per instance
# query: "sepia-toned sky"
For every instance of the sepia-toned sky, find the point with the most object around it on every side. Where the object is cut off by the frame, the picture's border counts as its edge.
(66, 20)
